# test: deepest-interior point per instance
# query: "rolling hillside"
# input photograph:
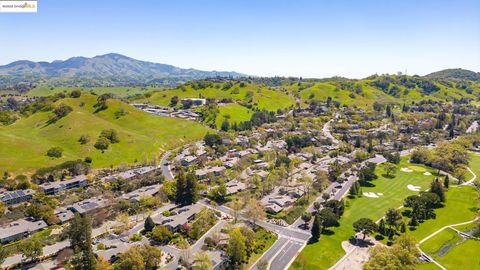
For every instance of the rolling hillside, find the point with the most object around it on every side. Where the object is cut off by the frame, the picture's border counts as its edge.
(249, 94)
(24, 144)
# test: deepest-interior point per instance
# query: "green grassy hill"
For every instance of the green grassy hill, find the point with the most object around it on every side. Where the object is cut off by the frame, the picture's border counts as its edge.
(258, 96)
(234, 113)
(23, 145)
(118, 91)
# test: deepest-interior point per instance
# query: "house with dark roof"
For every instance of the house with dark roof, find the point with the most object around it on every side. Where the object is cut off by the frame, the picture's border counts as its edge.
(88, 205)
(16, 196)
(182, 216)
(51, 188)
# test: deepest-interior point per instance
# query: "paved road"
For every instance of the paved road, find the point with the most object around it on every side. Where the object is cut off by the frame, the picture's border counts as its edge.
(165, 167)
(327, 133)
(286, 255)
(293, 241)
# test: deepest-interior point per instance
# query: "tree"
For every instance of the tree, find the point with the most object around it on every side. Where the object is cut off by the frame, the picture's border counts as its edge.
(202, 261)
(111, 135)
(84, 139)
(31, 248)
(393, 218)
(254, 211)
(75, 94)
(366, 226)
(367, 173)
(381, 226)
(102, 143)
(306, 217)
(180, 188)
(236, 207)
(103, 264)
(80, 235)
(389, 168)
(191, 190)
(132, 259)
(236, 249)
(446, 181)
(102, 102)
(161, 234)
(337, 207)
(436, 187)
(3, 255)
(225, 125)
(149, 224)
(327, 218)
(174, 101)
(316, 229)
(212, 139)
(152, 256)
(55, 152)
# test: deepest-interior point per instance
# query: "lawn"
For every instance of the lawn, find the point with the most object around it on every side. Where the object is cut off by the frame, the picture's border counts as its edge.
(463, 256)
(143, 137)
(444, 238)
(461, 206)
(474, 163)
(234, 113)
(328, 250)
(119, 91)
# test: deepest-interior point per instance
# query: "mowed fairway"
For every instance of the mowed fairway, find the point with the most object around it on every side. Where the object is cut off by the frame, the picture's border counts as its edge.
(328, 250)
(23, 145)
(461, 206)
(234, 113)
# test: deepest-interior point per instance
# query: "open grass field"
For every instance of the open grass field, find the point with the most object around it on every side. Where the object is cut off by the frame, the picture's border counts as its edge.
(262, 97)
(328, 250)
(464, 255)
(23, 145)
(474, 163)
(119, 91)
(461, 206)
(234, 113)
(444, 238)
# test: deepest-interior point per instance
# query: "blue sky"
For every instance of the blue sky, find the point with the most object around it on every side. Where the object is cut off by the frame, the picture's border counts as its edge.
(287, 38)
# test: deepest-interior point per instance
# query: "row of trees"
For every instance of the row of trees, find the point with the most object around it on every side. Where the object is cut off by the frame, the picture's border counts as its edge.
(326, 218)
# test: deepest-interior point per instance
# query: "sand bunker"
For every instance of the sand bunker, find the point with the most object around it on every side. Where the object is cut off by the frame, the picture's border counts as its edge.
(427, 173)
(406, 170)
(413, 188)
(372, 194)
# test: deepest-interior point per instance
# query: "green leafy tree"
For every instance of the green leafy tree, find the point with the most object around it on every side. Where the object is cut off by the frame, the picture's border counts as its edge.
(55, 152)
(31, 248)
(389, 168)
(80, 235)
(236, 249)
(393, 218)
(316, 229)
(437, 188)
(366, 226)
(161, 234)
(132, 259)
(149, 224)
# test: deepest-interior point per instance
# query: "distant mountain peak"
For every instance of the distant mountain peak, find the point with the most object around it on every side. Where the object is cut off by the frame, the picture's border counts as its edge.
(102, 70)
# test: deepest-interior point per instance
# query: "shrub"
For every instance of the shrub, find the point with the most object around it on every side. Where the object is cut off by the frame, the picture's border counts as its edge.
(102, 143)
(55, 152)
